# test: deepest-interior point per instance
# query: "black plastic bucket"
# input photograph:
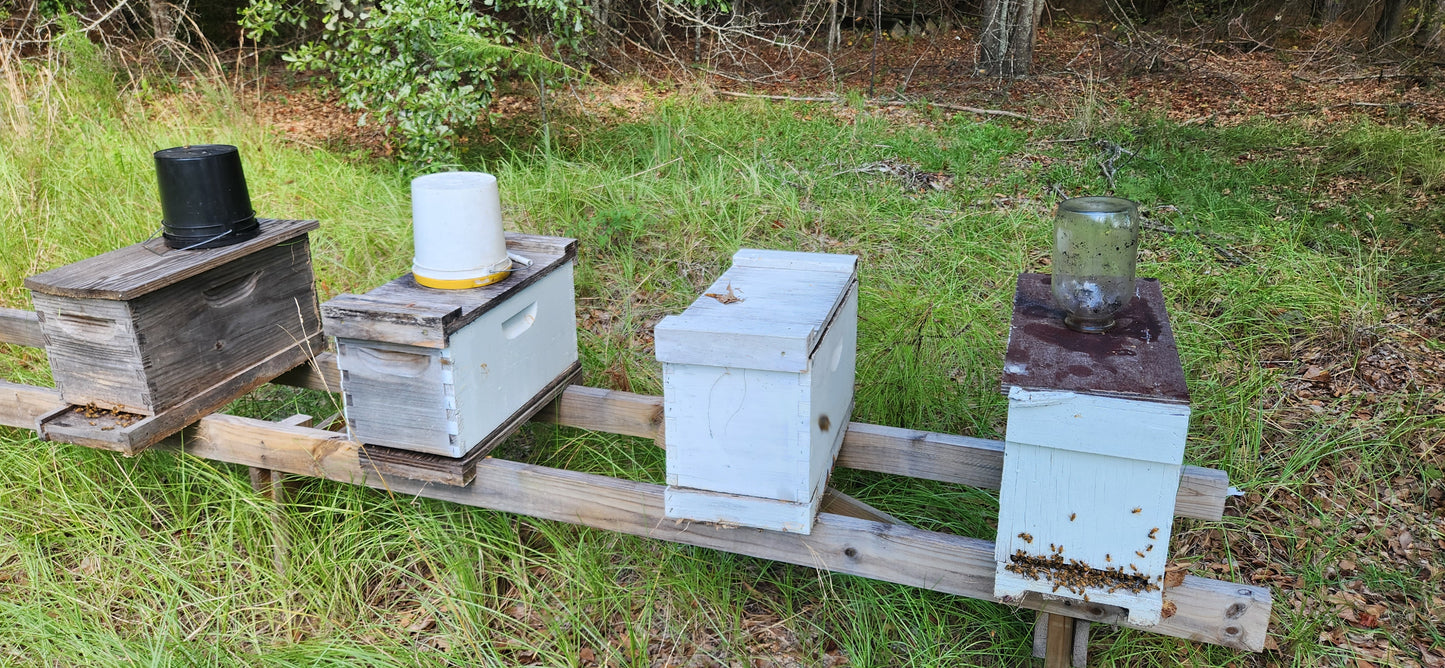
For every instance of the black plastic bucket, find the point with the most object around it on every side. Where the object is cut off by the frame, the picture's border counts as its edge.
(204, 201)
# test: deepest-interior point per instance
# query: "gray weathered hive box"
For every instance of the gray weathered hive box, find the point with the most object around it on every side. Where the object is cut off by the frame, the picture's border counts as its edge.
(1095, 440)
(142, 328)
(148, 330)
(758, 389)
(446, 371)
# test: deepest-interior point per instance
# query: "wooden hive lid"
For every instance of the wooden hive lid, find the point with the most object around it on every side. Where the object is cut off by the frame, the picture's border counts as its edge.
(407, 313)
(768, 311)
(138, 269)
(1137, 359)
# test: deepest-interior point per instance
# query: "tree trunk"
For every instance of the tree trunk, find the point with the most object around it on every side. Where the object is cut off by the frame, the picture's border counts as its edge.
(163, 23)
(1388, 24)
(1006, 41)
(656, 35)
(833, 34)
(1326, 11)
(1429, 35)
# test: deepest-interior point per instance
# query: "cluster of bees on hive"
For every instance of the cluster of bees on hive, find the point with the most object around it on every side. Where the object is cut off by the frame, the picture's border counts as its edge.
(92, 412)
(1076, 576)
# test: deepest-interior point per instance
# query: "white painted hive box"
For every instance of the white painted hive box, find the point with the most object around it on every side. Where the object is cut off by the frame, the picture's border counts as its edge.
(444, 371)
(758, 388)
(1092, 456)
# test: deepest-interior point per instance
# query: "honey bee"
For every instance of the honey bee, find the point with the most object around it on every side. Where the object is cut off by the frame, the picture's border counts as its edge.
(1027, 538)
(1072, 516)
(1134, 568)
(1141, 554)
(1149, 548)
(1136, 510)
(1152, 533)
(1108, 558)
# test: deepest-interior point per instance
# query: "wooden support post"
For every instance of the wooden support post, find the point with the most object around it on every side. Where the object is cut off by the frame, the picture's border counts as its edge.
(1059, 644)
(276, 486)
(1078, 655)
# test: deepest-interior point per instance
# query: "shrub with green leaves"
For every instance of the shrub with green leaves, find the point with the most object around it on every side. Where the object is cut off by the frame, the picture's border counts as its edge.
(423, 69)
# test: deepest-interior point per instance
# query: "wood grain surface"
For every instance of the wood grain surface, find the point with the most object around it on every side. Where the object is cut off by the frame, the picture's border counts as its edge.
(127, 273)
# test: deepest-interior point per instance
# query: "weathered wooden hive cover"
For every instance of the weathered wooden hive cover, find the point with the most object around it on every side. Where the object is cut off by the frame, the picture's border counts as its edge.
(758, 389)
(1137, 359)
(1095, 439)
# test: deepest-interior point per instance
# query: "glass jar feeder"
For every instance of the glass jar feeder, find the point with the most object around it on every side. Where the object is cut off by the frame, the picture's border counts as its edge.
(1096, 243)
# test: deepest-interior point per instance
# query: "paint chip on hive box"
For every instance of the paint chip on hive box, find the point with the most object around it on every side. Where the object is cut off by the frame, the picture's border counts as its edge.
(758, 389)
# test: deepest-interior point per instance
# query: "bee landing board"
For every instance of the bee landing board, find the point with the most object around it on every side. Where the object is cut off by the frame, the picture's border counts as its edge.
(146, 339)
(1092, 456)
(447, 372)
(758, 388)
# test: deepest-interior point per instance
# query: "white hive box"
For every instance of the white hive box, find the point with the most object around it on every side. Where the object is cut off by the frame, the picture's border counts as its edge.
(1095, 440)
(445, 372)
(758, 390)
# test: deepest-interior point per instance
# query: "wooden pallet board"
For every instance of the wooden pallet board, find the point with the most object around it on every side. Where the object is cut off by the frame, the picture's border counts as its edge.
(459, 471)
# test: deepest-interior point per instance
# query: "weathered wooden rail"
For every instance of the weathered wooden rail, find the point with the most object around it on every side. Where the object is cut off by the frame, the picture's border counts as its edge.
(849, 537)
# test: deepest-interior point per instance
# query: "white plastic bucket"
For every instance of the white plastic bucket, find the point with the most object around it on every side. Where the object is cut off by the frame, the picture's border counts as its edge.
(457, 231)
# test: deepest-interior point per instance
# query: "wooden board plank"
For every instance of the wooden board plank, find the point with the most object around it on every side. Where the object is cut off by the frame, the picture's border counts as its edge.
(20, 327)
(612, 411)
(1224, 613)
(966, 460)
(21, 405)
(838, 503)
(1058, 641)
(977, 462)
(127, 273)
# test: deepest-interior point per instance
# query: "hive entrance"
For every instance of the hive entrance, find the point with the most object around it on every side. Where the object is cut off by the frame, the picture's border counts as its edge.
(1076, 576)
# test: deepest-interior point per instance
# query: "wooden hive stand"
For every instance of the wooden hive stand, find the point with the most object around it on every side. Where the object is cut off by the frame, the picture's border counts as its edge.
(146, 339)
(432, 380)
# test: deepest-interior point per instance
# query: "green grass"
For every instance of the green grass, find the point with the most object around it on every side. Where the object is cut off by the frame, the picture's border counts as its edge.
(169, 560)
